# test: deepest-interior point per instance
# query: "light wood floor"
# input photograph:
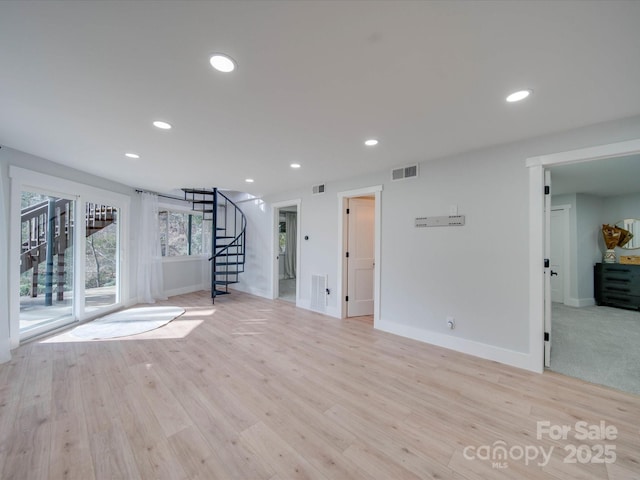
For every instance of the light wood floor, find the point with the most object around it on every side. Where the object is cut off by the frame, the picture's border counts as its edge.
(257, 389)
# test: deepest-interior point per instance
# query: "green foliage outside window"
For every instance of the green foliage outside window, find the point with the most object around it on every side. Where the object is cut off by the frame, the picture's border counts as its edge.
(175, 237)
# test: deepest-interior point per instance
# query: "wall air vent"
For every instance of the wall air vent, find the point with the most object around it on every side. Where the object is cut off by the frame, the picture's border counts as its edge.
(402, 173)
(318, 189)
(319, 292)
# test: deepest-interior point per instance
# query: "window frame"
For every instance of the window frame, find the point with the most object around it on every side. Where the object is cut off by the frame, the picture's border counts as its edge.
(173, 208)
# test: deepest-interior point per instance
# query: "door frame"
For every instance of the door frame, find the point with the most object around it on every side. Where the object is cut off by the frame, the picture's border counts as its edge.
(537, 271)
(376, 191)
(566, 210)
(275, 245)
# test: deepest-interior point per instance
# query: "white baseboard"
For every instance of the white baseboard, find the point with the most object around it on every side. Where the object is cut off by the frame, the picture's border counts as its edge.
(187, 289)
(470, 347)
(131, 302)
(333, 312)
(580, 302)
(329, 311)
(5, 351)
(252, 291)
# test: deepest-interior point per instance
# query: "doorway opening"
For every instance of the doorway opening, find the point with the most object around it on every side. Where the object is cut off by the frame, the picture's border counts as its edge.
(593, 338)
(287, 247)
(585, 336)
(358, 270)
(287, 250)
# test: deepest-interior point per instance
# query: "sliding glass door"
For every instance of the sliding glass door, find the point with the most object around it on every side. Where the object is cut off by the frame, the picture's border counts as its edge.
(101, 272)
(46, 262)
(68, 237)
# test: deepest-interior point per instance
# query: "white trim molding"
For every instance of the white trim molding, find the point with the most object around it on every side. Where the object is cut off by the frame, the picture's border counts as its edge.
(470, 347)
(536, 231)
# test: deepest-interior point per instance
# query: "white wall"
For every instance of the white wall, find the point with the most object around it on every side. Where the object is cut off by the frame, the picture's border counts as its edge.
(570, 199)
(470, 272)
(478, 273)
(185, 274)
(589, 237)
(257, 276)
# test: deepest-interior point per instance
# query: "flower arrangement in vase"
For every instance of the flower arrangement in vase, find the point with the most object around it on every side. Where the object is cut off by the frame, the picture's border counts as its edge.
(614, 237)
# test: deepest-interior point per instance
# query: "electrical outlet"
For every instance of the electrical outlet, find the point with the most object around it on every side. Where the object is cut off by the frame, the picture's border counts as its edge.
(451, 323)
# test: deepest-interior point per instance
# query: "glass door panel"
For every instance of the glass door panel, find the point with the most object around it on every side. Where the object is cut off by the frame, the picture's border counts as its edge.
(46, 262)
(101, 257)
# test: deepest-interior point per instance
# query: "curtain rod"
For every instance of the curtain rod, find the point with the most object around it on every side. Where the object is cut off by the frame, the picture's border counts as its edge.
(172, 197)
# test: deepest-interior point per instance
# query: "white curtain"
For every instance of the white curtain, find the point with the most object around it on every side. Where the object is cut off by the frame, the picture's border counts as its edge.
(150, 281)
(291, 228)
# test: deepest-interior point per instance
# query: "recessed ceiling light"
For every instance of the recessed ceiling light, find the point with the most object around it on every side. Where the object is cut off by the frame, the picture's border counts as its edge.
(131, 155)
(162, 125)
(519, 95)
(295, 165)
(222, 63)
(371, 142)
(248, 180)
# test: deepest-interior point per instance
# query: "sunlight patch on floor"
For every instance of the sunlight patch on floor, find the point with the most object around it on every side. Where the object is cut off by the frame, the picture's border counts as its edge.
(174, 330)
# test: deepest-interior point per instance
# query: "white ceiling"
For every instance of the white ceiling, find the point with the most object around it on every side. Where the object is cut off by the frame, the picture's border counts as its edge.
(81, 82)
(605, 178)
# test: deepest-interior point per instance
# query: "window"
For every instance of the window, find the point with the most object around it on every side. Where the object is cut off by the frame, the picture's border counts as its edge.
(282, 237)
(183, 234)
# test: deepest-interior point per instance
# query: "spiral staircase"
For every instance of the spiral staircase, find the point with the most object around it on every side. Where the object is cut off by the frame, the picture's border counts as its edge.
(228, 238)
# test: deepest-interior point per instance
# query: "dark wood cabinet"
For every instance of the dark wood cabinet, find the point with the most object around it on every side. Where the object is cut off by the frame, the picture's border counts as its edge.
(617, 285)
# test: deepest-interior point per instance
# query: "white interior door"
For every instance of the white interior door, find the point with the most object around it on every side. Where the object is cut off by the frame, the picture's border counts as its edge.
(547, 270)
(557, 255)
(360, 260)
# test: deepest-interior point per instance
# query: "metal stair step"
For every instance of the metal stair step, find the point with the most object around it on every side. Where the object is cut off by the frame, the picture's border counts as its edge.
(225, 282)
(199, 191)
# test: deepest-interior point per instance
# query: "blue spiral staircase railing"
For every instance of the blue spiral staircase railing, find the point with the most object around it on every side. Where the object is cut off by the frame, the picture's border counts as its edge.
(228, 236)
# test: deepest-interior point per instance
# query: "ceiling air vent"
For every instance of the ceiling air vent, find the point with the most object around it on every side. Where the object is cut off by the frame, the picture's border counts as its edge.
(404, 172)
(318, 189)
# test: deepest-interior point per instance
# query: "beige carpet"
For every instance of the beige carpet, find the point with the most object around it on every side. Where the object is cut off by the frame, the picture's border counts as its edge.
(597, 344)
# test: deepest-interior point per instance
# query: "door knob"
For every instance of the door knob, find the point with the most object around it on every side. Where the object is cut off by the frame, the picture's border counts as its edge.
(553, 273)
